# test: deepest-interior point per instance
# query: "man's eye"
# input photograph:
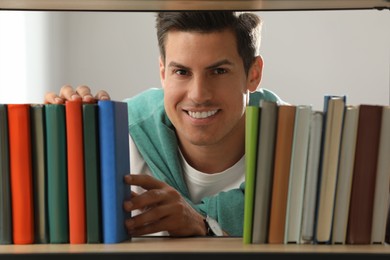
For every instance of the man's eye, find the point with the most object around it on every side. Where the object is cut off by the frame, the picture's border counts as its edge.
(181, 72)
(219, 71)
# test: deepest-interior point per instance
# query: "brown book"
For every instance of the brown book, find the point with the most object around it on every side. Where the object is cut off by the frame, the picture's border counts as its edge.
(364, 175)
(283, 148)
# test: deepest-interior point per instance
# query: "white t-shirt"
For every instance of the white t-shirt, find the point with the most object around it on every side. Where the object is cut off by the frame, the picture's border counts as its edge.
(199, 184)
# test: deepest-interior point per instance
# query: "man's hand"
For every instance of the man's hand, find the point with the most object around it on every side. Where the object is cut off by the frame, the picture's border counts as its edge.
(81, 92)
(162, 209)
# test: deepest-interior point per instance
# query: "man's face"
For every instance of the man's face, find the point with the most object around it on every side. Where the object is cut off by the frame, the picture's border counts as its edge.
(205, 87)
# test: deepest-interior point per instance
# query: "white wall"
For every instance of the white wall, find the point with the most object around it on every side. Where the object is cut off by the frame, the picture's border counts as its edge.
(307, 54)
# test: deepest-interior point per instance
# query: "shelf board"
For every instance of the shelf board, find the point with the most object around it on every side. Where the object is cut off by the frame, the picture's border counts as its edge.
(182, 5)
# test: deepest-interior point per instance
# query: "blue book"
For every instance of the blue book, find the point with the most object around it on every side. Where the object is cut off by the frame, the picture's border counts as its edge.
(114, 165)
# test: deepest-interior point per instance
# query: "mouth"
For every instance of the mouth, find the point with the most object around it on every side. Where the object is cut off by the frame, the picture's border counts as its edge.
(201, 115)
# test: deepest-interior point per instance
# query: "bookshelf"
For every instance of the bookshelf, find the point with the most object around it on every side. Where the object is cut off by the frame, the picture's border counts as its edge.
(177, 248)
(165, 5)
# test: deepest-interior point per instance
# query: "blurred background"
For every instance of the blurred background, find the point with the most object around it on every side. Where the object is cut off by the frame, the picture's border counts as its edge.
(307, 54)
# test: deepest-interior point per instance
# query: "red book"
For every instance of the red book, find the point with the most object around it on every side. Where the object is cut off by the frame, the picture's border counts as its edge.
(21, 173)
(76, 188)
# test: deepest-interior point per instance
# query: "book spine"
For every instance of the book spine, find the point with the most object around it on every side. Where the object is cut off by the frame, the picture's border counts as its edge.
(114, 164)
(38, 151)
(264, 172)
(21, 173)
(5, 187)
(364, 175)
(251, 129)
(283, 145)
(92, 173)
(75, 160)
(57, 179)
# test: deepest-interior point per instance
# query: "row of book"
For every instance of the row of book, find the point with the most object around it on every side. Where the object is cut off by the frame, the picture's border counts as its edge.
(317, 176)
(61, 172)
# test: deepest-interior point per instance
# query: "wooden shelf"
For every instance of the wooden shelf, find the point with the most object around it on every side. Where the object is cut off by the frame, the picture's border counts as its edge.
(171, 5)
(176, 248)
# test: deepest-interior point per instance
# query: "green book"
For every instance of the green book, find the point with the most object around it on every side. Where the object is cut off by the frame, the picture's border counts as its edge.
(38, 153)
(92, 172)
(251, 136)
(57, 174)
(5, 191)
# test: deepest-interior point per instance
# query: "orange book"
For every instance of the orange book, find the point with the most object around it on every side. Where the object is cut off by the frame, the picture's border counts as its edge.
(283, 148)
(21, 173)
(76, 188)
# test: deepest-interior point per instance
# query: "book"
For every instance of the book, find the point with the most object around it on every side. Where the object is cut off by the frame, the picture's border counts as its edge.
(310, 192)
(344, 175)
(92, 173)
(381, 196)
(75, 166)
(5, 187)
(282, 159)
(327, 179)
(297, 174)
(251, 138)
(21, 173)
(114, 165)
(38, 153)
(364, 175)
(264, 172)
(57, 179)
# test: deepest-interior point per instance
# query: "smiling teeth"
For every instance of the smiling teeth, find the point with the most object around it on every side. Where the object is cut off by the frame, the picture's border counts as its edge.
(201, 115)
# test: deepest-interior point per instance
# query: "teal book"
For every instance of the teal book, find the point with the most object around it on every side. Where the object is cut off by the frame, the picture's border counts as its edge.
(92, 173)
(114, 165)
(251, 137)
(38, 153)
(57, 184)
(5, 190)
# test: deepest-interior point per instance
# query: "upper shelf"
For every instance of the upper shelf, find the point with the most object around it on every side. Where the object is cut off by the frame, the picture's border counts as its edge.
(182, 5)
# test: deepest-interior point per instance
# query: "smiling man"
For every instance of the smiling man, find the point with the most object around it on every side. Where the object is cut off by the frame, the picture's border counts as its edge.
(187, 140)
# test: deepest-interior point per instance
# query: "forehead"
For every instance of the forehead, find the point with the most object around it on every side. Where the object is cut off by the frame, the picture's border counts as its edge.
(197, 45)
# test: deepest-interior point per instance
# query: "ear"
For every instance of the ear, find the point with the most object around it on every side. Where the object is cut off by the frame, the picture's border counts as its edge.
(162, 71)
(255, 74)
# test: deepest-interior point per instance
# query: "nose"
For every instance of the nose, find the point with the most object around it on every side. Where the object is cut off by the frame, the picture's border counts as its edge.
(200, 90)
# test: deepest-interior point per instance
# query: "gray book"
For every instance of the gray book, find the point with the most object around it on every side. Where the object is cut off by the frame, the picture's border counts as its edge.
(5, 191)
(297, 174)
(38, 153)
(345, 173)
(310, 193)
(264, 174)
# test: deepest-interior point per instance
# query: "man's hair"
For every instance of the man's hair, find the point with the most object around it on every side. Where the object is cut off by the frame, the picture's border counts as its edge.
(246, 27)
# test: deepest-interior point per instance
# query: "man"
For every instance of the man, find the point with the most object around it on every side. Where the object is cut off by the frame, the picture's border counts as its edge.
(188, 138)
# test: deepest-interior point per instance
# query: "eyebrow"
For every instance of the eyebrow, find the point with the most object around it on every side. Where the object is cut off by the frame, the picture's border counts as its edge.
(212, 66)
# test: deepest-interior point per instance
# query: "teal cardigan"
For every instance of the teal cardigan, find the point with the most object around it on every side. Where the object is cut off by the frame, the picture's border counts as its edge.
(155, 137)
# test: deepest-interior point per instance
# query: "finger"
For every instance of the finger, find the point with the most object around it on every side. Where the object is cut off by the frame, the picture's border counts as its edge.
(67, 93)
(52, 98)
(85, 93)
(147, 222)
(102, 95)
(145, 181)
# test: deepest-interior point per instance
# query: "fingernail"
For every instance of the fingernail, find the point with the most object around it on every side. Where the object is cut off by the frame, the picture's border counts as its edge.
(75, 97)
(58, 100)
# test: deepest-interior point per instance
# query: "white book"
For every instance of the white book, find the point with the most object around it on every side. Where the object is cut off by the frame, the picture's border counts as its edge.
(345, 173)
(381, 196)
(297, 174)
(310, 193)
